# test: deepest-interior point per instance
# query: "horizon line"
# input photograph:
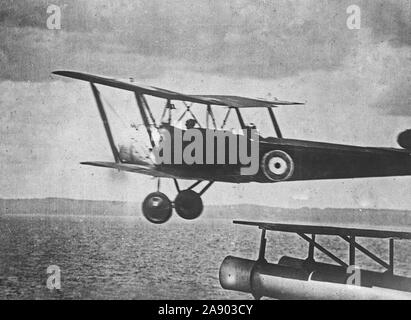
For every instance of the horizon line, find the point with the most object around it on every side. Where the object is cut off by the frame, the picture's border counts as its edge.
(214, 205)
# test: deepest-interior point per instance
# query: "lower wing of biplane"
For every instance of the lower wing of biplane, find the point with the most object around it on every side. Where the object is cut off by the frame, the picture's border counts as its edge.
(296, 278)
(275, 159)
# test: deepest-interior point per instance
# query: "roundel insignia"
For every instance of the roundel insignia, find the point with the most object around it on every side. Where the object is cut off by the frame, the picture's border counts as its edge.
(277, 165)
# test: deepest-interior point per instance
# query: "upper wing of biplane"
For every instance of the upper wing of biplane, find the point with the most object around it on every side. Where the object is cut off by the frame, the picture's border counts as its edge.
(243, 102)
(219, 100)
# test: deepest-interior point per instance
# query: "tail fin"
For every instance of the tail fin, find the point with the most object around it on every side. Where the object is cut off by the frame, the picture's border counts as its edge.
(404, 139)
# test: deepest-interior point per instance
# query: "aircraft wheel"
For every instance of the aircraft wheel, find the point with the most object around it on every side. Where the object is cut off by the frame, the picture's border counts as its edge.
(157, 208)
(277, 165)
(188, 204)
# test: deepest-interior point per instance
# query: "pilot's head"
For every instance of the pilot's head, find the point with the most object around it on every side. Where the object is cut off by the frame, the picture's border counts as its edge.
(190, 123)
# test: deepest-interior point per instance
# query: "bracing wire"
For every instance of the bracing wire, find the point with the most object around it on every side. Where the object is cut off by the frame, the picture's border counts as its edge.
(115, 112)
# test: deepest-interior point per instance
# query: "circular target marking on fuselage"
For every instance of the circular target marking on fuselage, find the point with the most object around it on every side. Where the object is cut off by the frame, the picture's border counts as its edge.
(277, 165)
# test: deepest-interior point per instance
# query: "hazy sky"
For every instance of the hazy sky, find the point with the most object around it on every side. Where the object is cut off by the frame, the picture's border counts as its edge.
(356, 84)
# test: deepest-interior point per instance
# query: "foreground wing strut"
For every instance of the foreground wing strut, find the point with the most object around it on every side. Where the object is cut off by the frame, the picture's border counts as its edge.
(105, 122)
(141, 105)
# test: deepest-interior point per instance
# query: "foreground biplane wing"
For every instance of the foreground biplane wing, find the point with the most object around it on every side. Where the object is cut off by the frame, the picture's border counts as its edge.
(276, 159)
(221, 100)
(327, 230)
(296, 278)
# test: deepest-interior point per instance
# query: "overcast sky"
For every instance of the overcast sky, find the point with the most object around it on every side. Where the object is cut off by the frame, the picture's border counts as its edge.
(356, 84)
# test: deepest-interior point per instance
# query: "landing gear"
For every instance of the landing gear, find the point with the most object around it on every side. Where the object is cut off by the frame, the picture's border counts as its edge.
(157, 207)
(188, 204)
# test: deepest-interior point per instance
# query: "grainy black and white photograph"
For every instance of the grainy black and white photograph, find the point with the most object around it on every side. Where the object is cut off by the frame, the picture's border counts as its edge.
(205, 150)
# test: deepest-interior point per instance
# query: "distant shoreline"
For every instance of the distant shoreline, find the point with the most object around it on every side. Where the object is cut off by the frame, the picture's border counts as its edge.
(87, 208)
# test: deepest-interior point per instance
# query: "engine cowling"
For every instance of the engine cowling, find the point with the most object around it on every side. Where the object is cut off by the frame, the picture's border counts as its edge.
(404, 139)
(277, 165)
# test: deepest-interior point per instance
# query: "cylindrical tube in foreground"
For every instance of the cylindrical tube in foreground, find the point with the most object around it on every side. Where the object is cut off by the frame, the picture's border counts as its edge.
(368, 278)
(282, 282)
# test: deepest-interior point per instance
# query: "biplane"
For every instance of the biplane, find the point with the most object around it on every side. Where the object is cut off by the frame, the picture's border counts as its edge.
(299, 278)
(278, 159)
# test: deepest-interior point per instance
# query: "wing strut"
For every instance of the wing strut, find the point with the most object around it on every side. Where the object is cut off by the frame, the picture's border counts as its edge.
(105, 122)
(140, 103)
(240, 118)
(210, 114)
(275, 123)
(149, 110)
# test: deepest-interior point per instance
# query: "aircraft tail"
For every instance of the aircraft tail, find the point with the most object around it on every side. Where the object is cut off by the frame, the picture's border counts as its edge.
(404, 139)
